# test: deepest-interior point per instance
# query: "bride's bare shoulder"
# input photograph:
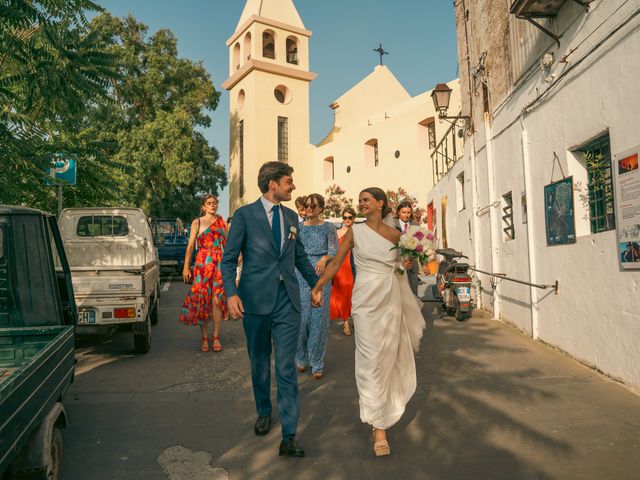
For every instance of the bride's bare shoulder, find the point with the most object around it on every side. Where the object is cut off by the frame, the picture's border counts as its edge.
(392, 233)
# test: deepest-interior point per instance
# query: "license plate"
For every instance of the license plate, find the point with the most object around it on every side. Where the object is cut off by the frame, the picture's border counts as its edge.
(86, 317)
(464, 294)
(168, 262)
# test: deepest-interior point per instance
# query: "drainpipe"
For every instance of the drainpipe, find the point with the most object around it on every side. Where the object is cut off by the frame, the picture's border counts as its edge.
(531, 220)
(494, 215)
(475, 205)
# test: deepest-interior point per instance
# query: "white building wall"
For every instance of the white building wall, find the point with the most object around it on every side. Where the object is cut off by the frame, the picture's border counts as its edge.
(595, 316)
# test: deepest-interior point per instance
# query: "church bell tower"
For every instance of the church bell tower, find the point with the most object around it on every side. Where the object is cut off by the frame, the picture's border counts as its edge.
(268, 86)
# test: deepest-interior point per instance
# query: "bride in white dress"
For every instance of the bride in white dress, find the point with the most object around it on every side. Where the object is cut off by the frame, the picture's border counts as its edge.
(386, 315)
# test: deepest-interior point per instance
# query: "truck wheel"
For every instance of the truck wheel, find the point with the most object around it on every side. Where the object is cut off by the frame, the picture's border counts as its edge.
(142, 340)
(154, 312)
(55, 455)
(461, 316)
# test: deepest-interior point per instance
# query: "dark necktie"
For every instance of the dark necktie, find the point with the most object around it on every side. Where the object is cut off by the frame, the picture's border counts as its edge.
(275, 226)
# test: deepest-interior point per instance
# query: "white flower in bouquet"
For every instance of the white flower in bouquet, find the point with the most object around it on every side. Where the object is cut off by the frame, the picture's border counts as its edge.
(415, 243)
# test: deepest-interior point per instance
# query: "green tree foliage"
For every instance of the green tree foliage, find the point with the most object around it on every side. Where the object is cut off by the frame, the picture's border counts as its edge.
(50, 69)
(158, 105)
(128, 108)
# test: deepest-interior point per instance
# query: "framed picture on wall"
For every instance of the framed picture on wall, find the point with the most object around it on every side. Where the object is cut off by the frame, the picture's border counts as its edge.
(559, 213)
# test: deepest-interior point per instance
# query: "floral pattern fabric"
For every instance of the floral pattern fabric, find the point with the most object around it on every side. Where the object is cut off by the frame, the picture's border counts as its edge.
(318, 240)
(207, 277)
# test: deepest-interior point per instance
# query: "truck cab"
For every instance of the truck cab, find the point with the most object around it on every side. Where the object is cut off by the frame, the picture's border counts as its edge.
(37, 323)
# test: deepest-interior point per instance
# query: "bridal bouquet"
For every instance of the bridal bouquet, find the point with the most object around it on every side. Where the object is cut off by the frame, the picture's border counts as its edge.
(416, 243)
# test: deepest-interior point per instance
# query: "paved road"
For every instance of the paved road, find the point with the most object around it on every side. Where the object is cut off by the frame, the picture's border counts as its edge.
(491, 404)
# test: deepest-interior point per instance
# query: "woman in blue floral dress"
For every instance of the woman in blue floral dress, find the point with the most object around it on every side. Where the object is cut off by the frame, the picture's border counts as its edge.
(321, 244)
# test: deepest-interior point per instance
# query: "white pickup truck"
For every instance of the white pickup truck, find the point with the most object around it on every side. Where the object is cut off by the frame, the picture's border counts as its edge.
(115, 270)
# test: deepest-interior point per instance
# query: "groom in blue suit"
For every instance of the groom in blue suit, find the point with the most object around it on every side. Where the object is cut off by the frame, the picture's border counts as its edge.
(268, 297)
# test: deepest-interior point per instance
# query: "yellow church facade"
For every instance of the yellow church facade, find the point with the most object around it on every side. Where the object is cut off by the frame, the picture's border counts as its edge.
(382, 136)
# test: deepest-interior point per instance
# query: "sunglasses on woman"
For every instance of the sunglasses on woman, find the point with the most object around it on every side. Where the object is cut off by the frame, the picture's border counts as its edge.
(347, 217)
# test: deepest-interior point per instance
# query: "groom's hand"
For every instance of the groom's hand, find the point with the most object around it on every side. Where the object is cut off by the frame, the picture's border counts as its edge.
(236, 309)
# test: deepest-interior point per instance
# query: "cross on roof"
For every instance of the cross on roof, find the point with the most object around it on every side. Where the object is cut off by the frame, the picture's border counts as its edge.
(380, 52)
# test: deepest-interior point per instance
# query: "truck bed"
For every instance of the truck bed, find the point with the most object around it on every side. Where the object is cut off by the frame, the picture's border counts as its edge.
(36, 368)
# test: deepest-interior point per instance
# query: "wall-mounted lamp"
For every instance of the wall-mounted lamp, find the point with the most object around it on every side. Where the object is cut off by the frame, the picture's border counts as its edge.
(441, 96)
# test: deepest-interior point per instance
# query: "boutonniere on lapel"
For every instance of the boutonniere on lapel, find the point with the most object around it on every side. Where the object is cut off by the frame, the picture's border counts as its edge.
(293, 233)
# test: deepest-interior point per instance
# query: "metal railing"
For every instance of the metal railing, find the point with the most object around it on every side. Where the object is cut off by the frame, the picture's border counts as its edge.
(503, 276)
(445, 155)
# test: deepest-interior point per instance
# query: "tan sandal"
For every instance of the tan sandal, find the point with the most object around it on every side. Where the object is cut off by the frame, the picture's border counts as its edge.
(218, 347)
(346, 329)
(204, 347)
(380, 448)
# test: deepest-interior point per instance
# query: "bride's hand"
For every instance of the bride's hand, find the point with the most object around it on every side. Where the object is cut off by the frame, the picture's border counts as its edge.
(407, 263)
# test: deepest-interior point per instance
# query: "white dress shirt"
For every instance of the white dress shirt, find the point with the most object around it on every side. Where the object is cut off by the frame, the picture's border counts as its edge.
(268, 208)
(404, 225)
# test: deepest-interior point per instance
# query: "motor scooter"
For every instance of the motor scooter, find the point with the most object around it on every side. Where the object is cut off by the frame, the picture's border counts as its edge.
(453, 284)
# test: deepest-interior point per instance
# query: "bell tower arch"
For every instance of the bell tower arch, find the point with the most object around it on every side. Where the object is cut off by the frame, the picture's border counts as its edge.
(268, 86)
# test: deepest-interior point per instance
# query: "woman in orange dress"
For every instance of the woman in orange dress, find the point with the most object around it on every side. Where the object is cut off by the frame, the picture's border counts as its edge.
(343, 281)
(206, 299)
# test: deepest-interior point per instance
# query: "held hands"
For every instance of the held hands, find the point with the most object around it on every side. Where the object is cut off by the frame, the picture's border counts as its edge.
(236, 309)
(316, 297)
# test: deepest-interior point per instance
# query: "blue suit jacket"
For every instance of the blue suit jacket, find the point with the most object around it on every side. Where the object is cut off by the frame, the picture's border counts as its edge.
(262, 266)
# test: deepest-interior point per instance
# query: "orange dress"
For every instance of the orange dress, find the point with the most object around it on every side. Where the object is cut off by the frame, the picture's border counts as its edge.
(340, 306)
(207, 278)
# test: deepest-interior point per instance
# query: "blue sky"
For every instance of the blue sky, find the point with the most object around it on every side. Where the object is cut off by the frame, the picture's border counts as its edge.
(419, 35)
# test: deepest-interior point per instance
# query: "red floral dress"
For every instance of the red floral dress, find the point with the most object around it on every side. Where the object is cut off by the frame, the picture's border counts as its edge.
(207, 278)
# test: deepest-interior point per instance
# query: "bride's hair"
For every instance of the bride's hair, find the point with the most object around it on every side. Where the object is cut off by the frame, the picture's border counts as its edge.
(379, 195)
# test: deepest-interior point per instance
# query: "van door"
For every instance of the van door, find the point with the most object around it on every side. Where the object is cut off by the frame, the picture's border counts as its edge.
(36, 288)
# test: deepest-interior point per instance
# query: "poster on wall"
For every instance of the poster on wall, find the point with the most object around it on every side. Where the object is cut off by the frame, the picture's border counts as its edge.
(627, 194)
(559, 213)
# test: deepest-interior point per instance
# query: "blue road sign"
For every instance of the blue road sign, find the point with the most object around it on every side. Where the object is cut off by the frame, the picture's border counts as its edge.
(61, 172)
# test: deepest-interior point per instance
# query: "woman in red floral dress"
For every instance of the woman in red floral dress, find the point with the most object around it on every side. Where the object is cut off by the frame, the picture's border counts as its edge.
(206, 298)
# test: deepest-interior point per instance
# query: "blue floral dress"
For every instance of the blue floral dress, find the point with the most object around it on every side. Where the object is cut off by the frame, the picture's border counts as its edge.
(318, 240)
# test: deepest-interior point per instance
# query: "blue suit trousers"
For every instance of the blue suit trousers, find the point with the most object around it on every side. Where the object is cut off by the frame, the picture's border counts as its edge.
(282, 327)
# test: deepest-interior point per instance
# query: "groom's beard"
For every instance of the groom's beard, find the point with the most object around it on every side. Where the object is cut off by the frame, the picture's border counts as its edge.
(283, 198)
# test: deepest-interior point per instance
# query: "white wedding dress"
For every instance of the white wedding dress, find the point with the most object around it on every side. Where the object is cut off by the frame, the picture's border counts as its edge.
(388, 328)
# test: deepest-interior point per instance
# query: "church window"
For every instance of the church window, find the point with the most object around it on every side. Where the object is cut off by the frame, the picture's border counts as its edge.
(247, 46)
(236, 56)
(282, 94)
(241, 158)
(371, 153)
(329, 171)
(427, 133)
(241, 97)
(269, 44)
(432, 135)
(283, 139)
(292, 50)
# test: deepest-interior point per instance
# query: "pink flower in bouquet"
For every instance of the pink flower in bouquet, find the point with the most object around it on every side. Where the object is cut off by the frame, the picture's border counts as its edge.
(430, 236)
(420, 248)
(419, 235)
